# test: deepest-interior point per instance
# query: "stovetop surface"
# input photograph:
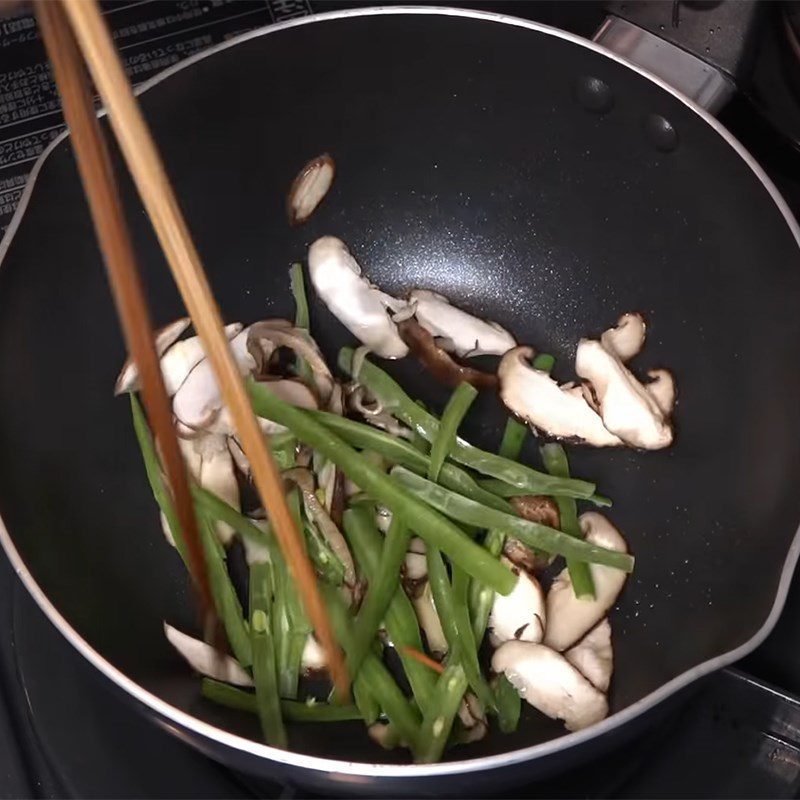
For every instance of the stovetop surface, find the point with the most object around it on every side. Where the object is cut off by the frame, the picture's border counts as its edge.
(65, 732)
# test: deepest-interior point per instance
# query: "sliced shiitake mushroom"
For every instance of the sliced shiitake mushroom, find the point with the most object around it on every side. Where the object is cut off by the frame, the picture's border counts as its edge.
(438, 362)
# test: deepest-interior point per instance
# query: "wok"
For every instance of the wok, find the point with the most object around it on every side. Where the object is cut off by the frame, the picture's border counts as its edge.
(470, 162)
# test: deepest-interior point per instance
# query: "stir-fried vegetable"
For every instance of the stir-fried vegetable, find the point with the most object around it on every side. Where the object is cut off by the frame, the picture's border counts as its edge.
(226, 695)
(381, 591)
(455, 410)
(264, 674)
(431, 525)
(399, 451)
(426, 601)
(481, 597)
(394, 399)
(531, 533)
(555, 460)
(401, 623)
(394, 704)
(439, 716)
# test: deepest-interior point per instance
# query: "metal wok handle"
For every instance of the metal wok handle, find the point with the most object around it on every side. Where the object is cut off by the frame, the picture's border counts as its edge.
(703, 48)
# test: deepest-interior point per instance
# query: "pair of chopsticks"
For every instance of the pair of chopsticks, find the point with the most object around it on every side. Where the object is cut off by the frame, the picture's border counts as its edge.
(74, 31)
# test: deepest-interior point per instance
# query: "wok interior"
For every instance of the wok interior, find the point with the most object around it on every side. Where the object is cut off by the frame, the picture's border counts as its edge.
(467, 166)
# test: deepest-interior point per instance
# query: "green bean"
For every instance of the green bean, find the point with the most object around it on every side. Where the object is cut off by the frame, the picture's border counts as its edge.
(431, 525)
(444, 441)
(288, 638)
(226, 602)
(264, 673)
(261, 588)
(481, 597)
(438, 719)
(284, 454)
(397, 402)
(468, 648)
(402, 452)
(394, 704)
(380, 591)
(155, 477)
(533, 534)
(460, 642)
(368, 707)
(509, 704)
(326, 562)
(554, 458)
(401, 621)
(298, 285)
(224, 694)
(503, 489)
(513, 439)
(208, 503)
(544, 362)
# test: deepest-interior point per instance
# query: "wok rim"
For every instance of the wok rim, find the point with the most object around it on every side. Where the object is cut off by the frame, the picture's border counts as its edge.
(168, 715)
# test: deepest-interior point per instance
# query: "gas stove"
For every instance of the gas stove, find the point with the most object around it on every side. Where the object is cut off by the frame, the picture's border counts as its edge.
(65, 732)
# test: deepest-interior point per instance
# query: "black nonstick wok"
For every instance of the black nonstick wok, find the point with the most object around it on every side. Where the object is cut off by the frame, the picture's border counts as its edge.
(531, 177)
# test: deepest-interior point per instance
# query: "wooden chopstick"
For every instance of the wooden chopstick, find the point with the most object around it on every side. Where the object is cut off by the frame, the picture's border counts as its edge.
(148, 172)
(94, 165)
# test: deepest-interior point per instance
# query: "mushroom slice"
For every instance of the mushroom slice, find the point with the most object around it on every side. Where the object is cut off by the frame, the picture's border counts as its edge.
(293, 392)
(304, 480)
(309, 188)
(374, 413)
(551, 684)
(198, 401)
(468, 335)
(626, 338)
(570, 618)
(352, 299)
(537, 508)
(210, 463)
(522, 556)
(558, 411)
(265, 337)
(184, 356)
(519, 615)
(203, 658)
(313, 658)
(662, 389)
(438, 362)
(128, 380)
(416, 562)
(429, 621)
(473, 720)
(627, 409)
(255, 552)
(593, 656)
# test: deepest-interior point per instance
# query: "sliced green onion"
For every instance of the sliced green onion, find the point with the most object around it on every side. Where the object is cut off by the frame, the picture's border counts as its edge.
(454, 412)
